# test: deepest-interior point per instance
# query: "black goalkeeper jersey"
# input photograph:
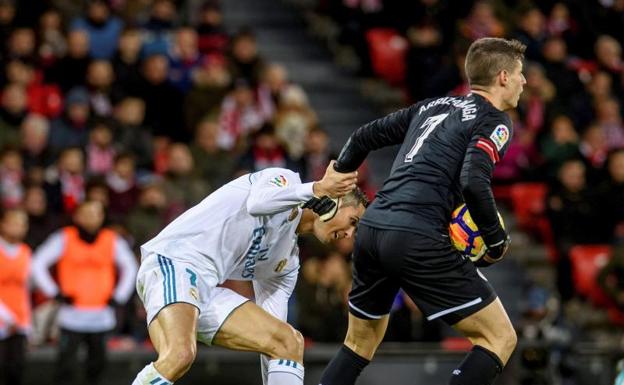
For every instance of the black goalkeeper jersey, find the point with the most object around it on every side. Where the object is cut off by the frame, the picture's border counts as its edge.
(449, 148)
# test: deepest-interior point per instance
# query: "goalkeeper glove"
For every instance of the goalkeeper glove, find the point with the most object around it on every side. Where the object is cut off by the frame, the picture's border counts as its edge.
(325, 207)
(494, 253)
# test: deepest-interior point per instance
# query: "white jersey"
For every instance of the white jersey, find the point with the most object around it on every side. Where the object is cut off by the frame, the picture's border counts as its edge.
(244, 231)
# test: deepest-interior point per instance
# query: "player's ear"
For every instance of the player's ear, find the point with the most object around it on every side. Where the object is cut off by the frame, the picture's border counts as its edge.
(503, 77)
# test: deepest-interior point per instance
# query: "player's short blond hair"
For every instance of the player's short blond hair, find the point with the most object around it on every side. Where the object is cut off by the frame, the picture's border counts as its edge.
(354, 198)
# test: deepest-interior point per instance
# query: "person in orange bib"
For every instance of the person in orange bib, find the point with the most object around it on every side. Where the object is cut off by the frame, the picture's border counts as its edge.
(15, 319)
(95, 271)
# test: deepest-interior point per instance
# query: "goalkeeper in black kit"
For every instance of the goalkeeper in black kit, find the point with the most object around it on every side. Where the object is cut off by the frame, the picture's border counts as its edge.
(449, 148)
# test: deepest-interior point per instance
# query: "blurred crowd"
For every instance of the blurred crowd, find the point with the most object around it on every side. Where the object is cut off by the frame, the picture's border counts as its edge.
(115, 117)
(145, 107)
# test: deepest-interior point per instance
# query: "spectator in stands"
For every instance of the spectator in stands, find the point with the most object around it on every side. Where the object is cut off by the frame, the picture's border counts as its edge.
(241, 114)
(15, 307)
(21, 44)
(7, 16)
(52, 40)
(102, 27)
(13, 110)
(70, 70)
(594, 148)
(293, 120)
(184, 58)
(126, 60)
(611, 197)
(157, 29)
(40, 223)
(321, 294)
(121, 181)
(146, 219)
(35, 153)
(572, 212)
(274, 83)
(561, 24)
(265, 151)
(317, 154)
(11, 178)
(163, 102)
(211, 82)
(536, 100)
(130, 133)
(100, 150)
(213, 164)
(555, 54)
(611, 277)
(213, 38)
(182, 187)
(44, 99)
(531, 30)
(86, 256)
(559, 145)
(425, 54)
(609, 119)
(245, 61)
(71, 129)
(64, 185)
(481, 22)
(103, 92)
(582, 104)
(608, 53)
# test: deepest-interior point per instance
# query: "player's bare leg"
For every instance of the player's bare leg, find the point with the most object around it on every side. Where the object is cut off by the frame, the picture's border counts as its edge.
(361, 343)
(173, 333)
(250, 328)
(494, 339)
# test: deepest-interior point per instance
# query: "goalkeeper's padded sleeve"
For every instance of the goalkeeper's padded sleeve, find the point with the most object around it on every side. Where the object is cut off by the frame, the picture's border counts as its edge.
(475, 178)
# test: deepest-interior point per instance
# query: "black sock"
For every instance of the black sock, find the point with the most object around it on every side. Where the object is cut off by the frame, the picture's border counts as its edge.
(480, 367)
(344, 368)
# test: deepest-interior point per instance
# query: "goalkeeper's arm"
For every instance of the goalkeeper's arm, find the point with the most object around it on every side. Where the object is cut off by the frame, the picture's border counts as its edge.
(379, 133)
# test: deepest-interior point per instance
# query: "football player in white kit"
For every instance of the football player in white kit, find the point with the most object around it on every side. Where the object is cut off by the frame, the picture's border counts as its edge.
(246, 230)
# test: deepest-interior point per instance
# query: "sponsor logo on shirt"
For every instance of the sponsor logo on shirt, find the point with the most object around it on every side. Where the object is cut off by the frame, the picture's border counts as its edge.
(279, 181)
(255, 253)
(500, 136)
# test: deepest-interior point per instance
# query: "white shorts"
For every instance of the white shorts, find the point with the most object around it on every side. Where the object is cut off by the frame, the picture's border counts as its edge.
(162, 281)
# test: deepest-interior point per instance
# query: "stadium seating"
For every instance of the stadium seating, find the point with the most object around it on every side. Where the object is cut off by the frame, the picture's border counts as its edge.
(387, 53)
(529, 206)
(587, 260)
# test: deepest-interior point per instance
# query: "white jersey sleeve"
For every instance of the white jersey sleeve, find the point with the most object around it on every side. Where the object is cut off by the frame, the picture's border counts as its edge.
(276, 190)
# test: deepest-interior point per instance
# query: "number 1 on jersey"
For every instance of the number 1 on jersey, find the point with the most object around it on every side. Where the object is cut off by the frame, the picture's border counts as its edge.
(429, 125)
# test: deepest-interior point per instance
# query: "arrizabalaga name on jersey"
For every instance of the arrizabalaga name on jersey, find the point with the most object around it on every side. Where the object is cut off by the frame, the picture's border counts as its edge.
(468, 106)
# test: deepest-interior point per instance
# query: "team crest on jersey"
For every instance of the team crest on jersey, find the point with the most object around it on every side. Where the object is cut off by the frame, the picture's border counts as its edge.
(500, 136)
(281, 265)
(279, 181)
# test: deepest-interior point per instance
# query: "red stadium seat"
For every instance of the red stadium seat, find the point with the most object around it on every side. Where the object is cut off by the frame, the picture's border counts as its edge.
(529, 205)
(587, 260)
(387, 53)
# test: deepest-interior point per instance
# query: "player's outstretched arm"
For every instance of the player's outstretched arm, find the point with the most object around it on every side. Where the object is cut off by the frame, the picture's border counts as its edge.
(379, 133)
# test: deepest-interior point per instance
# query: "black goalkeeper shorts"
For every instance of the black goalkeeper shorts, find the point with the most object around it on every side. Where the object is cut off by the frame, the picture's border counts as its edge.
(442, 283)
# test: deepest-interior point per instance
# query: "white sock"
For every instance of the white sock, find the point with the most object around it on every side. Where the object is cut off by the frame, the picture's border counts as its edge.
(150, 376)
(285, 372)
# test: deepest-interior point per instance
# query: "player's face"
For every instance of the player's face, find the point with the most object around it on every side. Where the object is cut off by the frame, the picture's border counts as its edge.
(515, 85)
(341, 226)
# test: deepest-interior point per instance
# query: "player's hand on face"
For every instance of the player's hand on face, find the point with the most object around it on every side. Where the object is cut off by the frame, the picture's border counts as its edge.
(335, 184)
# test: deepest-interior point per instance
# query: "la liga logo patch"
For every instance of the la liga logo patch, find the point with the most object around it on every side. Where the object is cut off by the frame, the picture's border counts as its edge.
(279, 181)
(500, 136)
